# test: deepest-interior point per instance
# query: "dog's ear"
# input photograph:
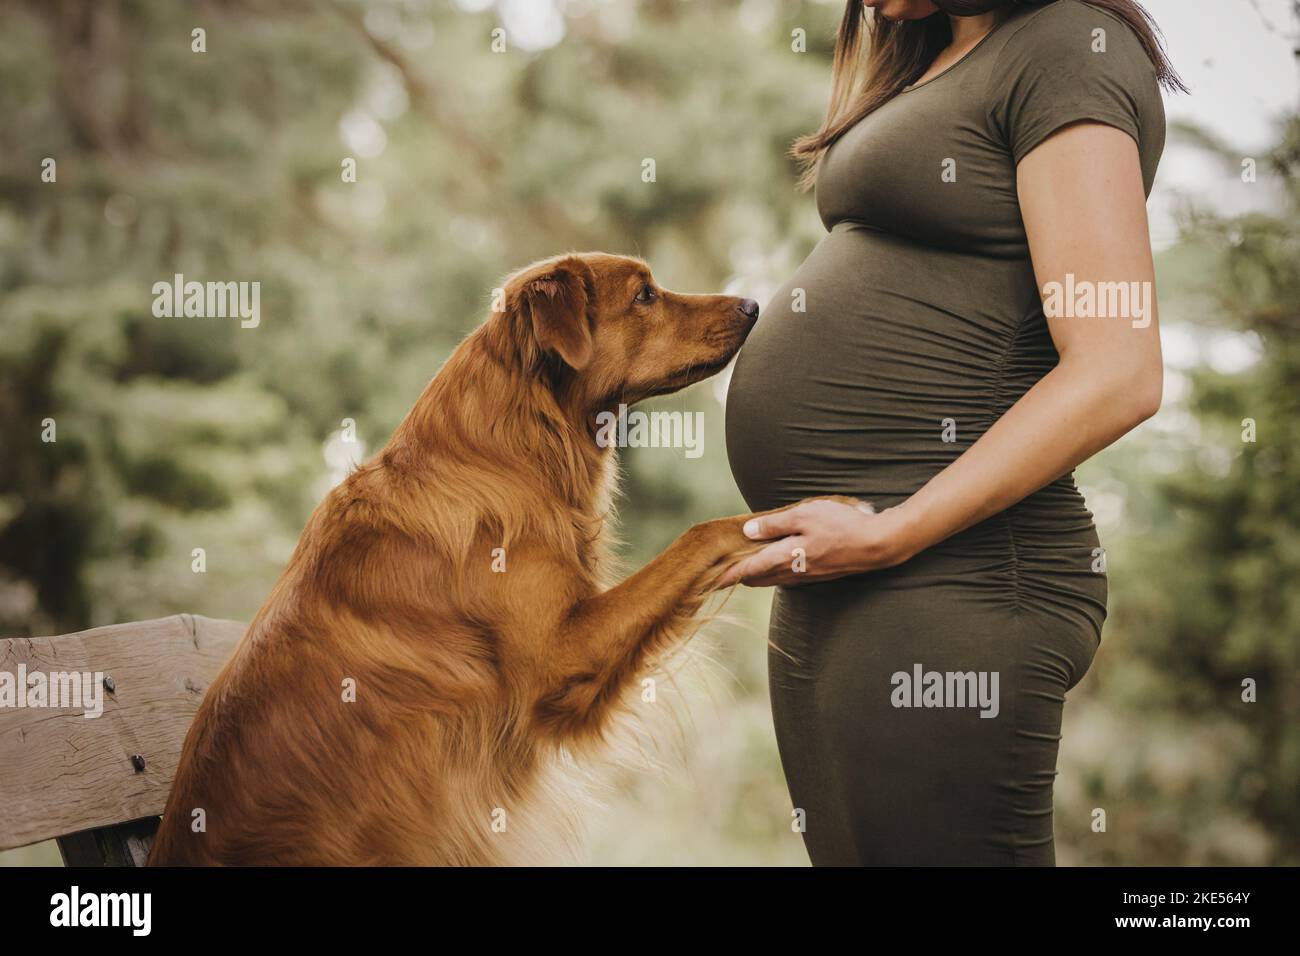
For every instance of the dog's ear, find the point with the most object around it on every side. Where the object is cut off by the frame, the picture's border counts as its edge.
(555, 297)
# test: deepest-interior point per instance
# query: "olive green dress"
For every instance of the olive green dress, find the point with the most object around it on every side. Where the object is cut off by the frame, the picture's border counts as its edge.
(911, 328)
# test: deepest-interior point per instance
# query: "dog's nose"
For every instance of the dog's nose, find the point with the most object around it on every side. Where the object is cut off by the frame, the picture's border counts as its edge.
(749, 307)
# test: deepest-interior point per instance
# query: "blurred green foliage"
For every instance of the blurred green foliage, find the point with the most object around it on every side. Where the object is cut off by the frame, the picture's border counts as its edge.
(1205, 569)
(174, 434)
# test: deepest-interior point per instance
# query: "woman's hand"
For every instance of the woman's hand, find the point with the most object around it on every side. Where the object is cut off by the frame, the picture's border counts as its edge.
(821, 539)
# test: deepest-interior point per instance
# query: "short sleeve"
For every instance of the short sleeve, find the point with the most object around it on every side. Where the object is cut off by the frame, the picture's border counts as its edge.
(1070, 62)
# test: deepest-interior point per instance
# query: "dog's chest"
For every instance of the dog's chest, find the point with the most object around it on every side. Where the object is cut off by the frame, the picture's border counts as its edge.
(595, 553)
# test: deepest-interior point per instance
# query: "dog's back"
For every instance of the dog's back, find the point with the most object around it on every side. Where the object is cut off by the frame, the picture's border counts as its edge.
(365, 716)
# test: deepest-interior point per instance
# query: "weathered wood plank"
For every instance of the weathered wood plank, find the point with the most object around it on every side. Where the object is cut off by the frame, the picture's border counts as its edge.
(60, 772)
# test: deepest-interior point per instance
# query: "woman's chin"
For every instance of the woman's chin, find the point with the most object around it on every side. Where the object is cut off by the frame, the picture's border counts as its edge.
(898, 10)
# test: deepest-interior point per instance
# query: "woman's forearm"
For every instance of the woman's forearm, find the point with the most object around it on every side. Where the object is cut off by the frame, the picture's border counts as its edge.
(1073, 412)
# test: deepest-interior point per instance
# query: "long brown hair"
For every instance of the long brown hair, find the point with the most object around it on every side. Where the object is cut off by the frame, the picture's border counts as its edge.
(865, 76)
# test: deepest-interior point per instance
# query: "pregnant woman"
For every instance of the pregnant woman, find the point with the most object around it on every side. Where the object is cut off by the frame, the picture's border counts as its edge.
(979, 319)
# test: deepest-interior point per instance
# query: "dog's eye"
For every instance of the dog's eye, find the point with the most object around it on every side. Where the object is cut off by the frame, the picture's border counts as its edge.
(647, 294)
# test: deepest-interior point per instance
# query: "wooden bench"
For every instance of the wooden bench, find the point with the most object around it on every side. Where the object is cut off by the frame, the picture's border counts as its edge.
(99, 785)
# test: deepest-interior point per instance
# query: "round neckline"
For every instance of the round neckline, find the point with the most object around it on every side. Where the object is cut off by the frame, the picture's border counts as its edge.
(964, 57)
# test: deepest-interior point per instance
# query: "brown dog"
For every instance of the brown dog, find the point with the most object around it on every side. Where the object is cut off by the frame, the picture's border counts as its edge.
(398, 699)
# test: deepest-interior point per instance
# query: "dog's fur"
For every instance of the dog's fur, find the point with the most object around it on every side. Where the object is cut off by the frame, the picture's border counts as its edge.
(469, 683)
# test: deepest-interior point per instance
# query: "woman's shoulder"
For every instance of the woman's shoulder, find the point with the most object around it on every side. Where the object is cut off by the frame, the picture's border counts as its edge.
(1073, 34)
(1068, 61)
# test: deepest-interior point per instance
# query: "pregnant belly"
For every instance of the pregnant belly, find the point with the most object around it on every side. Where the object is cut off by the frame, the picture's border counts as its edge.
(876, 365)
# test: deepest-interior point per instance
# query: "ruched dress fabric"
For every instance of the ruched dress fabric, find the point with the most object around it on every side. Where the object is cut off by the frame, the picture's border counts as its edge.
(911, 328)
